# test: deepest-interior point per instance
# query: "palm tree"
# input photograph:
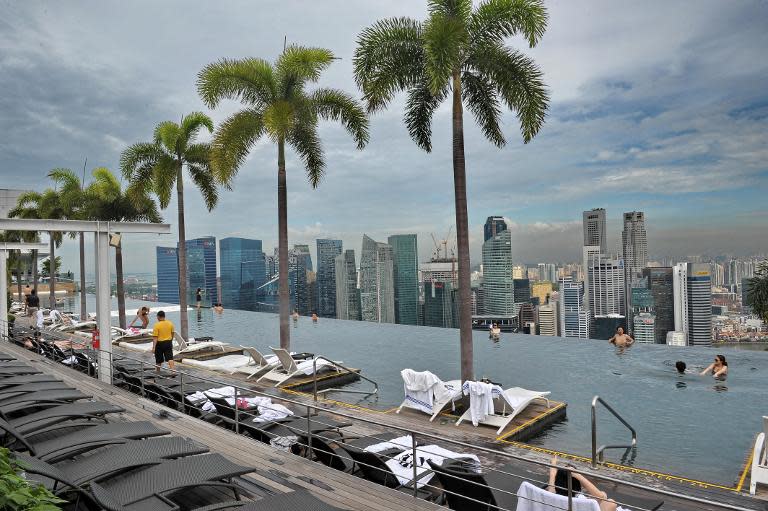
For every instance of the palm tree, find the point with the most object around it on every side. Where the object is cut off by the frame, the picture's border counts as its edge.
(757, 291)
(26, 208)
(279, 107)
(73, 202)
(458, 52)
(106, 200)
(158, 166)
(42, 205)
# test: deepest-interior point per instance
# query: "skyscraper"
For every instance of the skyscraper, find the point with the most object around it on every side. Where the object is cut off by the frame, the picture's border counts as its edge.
(660, 285)
(548, 271)
(299, 263)
(242, 270)
(634, 244)
(493, 226)
(547, 320)
(167, 262)
(498, 290)
(588, 252)
(522, 290)
(406, 278)
(680, 298)
(327, 251)
(644, 328)
(606, 286)
(347, 294)
(440, 305)
(574, 319)
(594, 229)
(201, 269)
(692, 286)
(377, 293)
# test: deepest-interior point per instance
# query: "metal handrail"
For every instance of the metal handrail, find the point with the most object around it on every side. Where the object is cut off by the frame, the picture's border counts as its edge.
(336, 364)
(597, 453)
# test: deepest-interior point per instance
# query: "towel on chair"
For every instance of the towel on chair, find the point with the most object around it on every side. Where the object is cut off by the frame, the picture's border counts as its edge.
(402, 464)
(531, 498)
(271, 412)
(420, 388)
(480, 400)
(402, 443)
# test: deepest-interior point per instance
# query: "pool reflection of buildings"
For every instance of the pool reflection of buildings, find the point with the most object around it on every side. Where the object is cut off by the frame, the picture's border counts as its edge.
(243, 272)
(201, 271)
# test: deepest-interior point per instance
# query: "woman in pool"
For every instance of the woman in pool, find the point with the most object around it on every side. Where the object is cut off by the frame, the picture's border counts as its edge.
(717, 368)
(582, 487)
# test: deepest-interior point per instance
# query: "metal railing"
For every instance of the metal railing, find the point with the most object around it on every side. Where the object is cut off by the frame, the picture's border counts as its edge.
(312, 446)
(315, 392)
(597, 452)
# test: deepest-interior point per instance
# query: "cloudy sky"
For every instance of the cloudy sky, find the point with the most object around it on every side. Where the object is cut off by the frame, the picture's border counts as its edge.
(656, 106)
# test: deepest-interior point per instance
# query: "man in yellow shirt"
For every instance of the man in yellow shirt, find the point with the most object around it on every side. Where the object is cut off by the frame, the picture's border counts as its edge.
(162, 341)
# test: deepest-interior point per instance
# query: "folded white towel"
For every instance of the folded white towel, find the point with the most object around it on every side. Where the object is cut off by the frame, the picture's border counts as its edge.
(402, 443)
(272, 412)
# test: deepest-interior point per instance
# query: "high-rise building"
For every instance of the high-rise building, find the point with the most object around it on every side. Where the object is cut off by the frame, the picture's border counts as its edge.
(604, 327)
(542, 290)
(588, 252)
(522, 290)
(406, 277)
(167, 262)
(634, 244)
(327, 251)
(644, 328)
(498, 288)
(377, 287)
(606, 286)
(439, 271)
(201, 269)
(347, 294)
(242, 271)
(548, 271)
(299, 263)
(661, 287)
(692, 288)
(594, 229)
(547, 320)
(574, 316)
(675, 338)
(526, 318)
(493, 226)
(440, 305)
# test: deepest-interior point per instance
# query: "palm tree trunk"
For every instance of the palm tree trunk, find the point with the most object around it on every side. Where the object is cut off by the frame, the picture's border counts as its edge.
(462, 233)
(18, 279)
(52, 272)
(34, 269)
(282, 247)
(120, 284)
(182, 255)
(83, 306)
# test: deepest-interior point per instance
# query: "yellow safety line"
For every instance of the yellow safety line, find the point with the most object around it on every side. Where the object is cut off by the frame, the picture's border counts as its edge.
(531, 421)
(747, 467)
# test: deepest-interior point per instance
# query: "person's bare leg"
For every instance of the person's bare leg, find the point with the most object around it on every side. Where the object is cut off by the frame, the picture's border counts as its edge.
(170, 364)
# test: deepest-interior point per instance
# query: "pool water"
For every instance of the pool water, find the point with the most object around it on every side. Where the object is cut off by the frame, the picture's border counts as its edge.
(691, 425)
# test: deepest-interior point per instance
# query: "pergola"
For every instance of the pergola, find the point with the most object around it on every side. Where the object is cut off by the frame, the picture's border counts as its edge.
(102, 231)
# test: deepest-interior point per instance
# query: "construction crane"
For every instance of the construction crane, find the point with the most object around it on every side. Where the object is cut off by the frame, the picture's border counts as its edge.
(441, 246)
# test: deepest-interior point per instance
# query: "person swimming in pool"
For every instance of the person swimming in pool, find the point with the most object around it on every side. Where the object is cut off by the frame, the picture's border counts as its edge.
(620, 339)
(681, 367)
(718, 368)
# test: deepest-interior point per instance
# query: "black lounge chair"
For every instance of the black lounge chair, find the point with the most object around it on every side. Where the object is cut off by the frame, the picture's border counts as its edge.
(39, 399)
(114, 460)
(91, 435)
(38, 421)
(289, 426)
(17, 390)
(299, 500)
(13, 363)
(17, 370)
(146, 488)
(5, 358)
(338, 457)
(464, 487)
(24, 379)
(372, 465)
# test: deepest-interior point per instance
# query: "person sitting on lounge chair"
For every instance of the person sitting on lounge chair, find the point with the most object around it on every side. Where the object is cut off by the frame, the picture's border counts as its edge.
(581, 486)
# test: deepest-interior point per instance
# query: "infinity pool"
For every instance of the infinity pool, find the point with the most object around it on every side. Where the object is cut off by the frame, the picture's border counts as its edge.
(691, 426)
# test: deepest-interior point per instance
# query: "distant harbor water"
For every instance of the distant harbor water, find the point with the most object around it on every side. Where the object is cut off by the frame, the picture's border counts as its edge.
(692, 425)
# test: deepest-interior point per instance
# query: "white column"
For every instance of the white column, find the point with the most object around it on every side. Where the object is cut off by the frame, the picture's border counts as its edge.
(103, 318)
(3, 294)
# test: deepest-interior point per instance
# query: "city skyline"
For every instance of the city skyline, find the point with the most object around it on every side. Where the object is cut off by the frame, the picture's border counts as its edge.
(628, 129)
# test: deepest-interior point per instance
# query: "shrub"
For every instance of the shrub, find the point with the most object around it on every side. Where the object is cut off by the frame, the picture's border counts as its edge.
(18, 494)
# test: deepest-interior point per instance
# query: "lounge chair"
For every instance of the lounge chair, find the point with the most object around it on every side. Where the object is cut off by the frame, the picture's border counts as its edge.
(513, 401)
(468, 490)
(16, 371)
(91, 436)
(372, 465)
(330, 448)
(289, 426)
(38, 421)
(299, 499)
(288, 367)
(259, 364)
(21, 380)
(36, 400)
(533, 498)
(226, 363)
(17, 390)
(759, 460)
(427, 393)
(146, 488)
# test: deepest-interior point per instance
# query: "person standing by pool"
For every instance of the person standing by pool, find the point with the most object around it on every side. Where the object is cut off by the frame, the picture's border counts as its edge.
(198, 297)
(620, 339)
(141, 315)
(33, 303)
(162, 341)
(718, 368)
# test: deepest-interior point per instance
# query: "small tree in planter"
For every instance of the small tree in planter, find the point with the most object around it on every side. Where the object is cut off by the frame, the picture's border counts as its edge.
(18, 494)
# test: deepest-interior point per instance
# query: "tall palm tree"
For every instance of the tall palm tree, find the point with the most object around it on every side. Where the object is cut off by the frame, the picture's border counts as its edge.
(158, 166)
(458, 52)
(757, 291)
(106, 200)
(278, 106)
(42, 205)
(72, 199)
(26, 207)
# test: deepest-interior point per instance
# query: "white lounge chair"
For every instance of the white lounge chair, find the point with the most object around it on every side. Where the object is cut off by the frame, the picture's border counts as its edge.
(759, 460)
(429, 394)
(288, 368)
(182, 346)
(513, 401)
(225, 363)
(533, 498)
(259, 365)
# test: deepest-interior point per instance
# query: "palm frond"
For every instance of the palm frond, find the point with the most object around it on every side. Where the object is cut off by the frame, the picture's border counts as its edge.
(204, 180)
(389, 58)
(461, 9)
(143, 207)
(168, 134)
(251, 81)
(305, 141)
(164, 175)
(444, 40)
(482, 99)
(136, 158)
(191, 125)
(232, 141)
(298, 65)
(518, 81)
(105, 184)
(336, 105)
(494, 20)
(419, 108)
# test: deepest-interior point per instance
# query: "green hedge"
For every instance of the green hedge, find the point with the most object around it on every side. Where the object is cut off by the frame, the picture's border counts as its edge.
(18, 494)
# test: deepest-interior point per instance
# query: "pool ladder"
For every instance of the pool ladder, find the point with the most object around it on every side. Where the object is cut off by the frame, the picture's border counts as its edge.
(316, 392)
(597, 452)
